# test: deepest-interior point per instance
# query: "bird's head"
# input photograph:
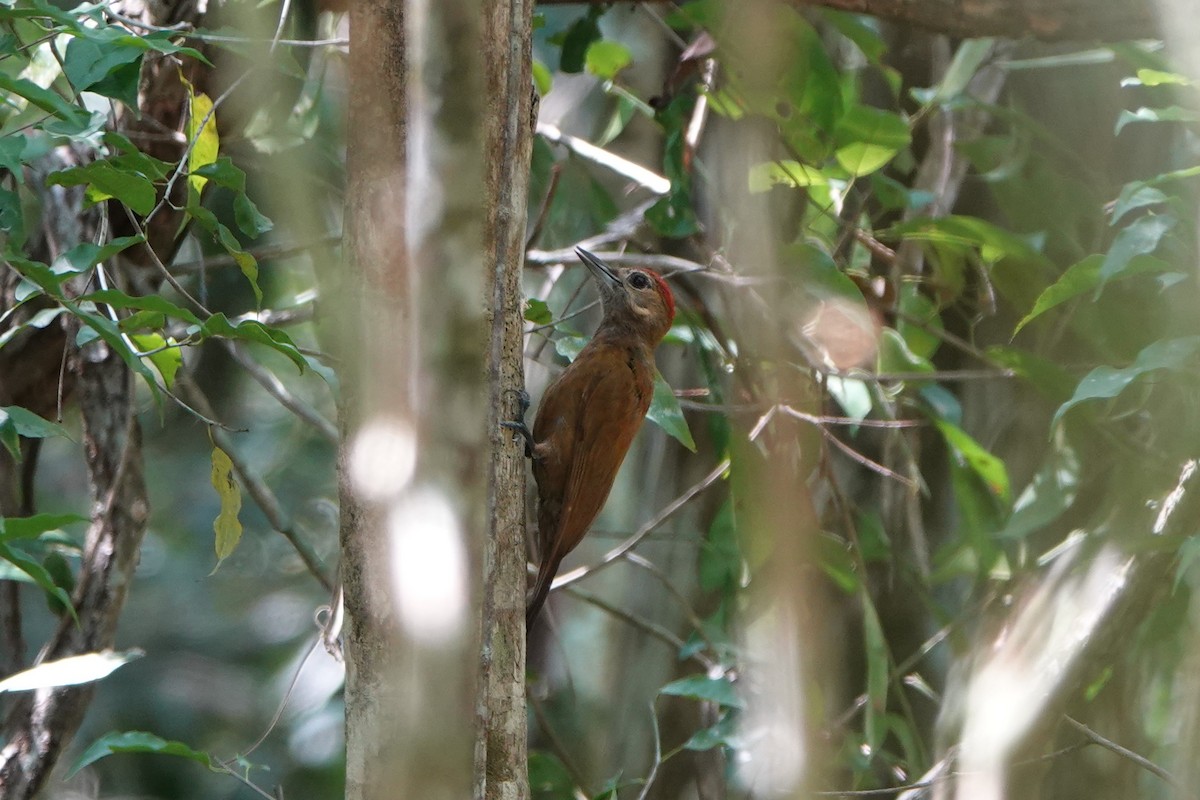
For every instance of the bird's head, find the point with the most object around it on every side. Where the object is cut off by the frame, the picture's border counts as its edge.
(635, 297)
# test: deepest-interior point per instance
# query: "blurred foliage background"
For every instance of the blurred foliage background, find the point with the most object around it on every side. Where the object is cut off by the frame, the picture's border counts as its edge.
(941, 292)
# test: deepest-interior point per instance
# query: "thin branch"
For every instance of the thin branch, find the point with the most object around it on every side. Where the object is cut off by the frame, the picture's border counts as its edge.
(275, 387)
(579, 573)
(622, 166)
(693, 618)
(265, 253)
(1124, 752)
(874, 466)
(658, 756)
(258, 490)
(653, 629)
(665, 264)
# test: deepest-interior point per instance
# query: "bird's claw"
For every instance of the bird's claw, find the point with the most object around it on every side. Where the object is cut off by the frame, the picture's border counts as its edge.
(518, 426)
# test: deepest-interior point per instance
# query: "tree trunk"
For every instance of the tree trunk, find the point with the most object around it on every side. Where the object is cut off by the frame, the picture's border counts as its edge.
(411, 344)
(501, 772)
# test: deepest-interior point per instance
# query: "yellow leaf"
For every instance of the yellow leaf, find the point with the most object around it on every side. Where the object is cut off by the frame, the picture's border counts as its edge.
(202, 132)
(165, 357)
(226, 526)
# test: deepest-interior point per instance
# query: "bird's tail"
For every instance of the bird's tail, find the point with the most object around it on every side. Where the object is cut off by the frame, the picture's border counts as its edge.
(541, 589)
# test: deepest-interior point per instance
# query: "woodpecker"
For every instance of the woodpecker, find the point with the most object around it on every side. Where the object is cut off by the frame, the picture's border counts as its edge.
(589, 415)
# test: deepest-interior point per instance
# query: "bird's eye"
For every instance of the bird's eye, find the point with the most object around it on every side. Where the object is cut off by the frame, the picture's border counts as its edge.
(639, 281)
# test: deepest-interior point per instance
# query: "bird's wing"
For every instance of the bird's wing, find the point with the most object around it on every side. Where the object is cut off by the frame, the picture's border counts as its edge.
(613, 394)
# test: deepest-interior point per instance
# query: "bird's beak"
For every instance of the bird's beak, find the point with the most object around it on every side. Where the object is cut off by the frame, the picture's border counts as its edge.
(602, 272)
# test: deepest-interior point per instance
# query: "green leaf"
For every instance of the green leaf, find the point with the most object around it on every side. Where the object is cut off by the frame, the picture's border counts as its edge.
(166, 357)
(666, 413)
(105, 181)
(136, 742)
(547, 775)
(877, 671)
(1139, 237)
(860, 30)
(702, 687)
(252, 331)
(39, 574)
(69, 671)
(223, 172)
(88, 62)
(972, 454)
(673, 216)
(1048, 495)
(110, 332)
(1133, 196)
(868, 138)
(918, 320)
(720, 562)
(578, 39)
(45, 99)
(968, 58)
(246, 262)
(605, 59)
(248, 218)
(895, 356)
(1082, 277)
(30, 425)
(784, 173)
(1168, 114)
(226, 526)
(12, 215)
(33, 527)
(16, 422)
(542, 79)
(151, 302)
(1108, 382)
(723, 733)
(1154, 77)
(537, 312)
(83, 257)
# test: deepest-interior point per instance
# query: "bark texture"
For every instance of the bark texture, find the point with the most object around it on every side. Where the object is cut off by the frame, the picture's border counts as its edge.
(501, 772)
(1049, 20)
(42, 723)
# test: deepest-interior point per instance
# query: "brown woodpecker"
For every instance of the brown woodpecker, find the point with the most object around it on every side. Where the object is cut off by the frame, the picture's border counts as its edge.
(590, 414)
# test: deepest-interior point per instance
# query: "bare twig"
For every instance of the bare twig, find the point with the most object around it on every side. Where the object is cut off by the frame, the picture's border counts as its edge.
(693, 618)
(662, 263)
(658, 756)
(264, 253)
(1124, 752)
(578, 574)
(275, 387)
(622, 166)
(646, 626)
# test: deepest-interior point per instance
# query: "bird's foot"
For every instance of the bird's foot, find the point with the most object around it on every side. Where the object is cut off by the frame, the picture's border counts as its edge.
(518, 426)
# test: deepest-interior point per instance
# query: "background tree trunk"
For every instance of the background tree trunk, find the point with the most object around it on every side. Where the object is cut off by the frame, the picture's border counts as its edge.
(411, 341)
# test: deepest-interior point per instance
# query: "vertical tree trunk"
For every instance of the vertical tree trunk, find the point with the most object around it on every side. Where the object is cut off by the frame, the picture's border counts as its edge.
(501, 772)
(411, 344)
